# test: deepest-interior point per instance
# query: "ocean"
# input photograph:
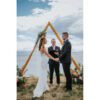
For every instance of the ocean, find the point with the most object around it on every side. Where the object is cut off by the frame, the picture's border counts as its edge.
(22, 56)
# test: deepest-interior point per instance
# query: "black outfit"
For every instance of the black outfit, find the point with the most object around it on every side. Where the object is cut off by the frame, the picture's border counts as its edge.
(53, 65)
(65, 59)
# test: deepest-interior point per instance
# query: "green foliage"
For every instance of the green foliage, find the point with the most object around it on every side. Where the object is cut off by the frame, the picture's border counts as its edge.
(20, 80)
(41, 34)
(18, 71)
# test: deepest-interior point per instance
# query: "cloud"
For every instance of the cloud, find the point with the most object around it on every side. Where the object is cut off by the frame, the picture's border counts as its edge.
(24, 45)
(77, 43)
(41, 0)
(65, 15)
(37, 11)
(34, 0)
(23, 38)
(60, 8)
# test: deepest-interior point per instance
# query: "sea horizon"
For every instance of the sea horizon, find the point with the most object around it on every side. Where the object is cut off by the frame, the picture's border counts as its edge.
(23, 55)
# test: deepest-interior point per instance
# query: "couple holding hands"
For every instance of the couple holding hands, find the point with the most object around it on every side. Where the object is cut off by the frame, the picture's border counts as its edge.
(56, 56)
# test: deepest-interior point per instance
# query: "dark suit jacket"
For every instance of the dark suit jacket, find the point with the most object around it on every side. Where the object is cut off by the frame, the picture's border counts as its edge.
(51, 52)
(65, 54)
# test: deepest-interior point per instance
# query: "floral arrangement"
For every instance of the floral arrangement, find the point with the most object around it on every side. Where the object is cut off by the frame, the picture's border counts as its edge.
(43, 33)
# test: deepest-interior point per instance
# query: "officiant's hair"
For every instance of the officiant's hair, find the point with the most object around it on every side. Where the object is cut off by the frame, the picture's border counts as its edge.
(52, 39)
(66, 33)
(41, 41)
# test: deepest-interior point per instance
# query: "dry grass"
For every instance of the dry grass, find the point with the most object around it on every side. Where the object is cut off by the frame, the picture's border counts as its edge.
(55, 93)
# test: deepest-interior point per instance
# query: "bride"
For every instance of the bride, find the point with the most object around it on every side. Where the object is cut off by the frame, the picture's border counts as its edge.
(42, 84)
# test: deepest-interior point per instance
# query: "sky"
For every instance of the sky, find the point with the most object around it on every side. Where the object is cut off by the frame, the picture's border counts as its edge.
(65, 15)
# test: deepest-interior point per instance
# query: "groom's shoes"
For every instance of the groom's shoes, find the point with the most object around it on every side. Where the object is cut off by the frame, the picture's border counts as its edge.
(67, 89)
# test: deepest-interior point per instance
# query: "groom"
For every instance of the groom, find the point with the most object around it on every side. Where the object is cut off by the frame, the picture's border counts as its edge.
(65, 59)
(53, 65)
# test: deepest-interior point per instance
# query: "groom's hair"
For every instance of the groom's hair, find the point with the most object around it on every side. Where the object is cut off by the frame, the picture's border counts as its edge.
(66, 33)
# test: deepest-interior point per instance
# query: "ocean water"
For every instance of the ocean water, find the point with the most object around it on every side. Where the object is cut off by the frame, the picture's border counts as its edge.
(22, 56)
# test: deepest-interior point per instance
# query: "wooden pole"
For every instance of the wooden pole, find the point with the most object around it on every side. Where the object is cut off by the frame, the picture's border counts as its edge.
(27, 61)
(45, 29)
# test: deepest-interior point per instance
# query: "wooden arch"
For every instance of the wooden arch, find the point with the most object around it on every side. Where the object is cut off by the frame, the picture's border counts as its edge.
(58, 37)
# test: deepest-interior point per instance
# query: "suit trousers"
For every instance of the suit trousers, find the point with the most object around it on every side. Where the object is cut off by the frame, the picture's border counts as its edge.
(66, 68)
(54, 67)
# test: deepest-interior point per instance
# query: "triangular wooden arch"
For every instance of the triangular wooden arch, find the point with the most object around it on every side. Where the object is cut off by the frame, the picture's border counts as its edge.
(55, 32)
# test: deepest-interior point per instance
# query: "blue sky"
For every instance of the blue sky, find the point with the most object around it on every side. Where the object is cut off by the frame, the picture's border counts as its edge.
(33, 15)
(24, 7)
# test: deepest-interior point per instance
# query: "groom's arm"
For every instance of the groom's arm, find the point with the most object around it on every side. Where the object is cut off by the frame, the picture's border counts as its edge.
(65, 50)
(63, 53)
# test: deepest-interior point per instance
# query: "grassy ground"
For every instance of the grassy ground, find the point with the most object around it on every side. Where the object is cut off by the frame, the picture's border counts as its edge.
(55, 93)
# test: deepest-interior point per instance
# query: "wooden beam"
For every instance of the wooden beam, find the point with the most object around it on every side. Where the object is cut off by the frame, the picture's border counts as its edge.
(45, 29)
(27, 61)
(74, 62)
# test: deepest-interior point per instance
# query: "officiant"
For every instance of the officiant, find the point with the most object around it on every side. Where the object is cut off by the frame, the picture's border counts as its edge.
(54, 51)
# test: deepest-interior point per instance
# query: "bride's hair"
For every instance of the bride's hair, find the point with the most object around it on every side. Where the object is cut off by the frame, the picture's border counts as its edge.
(42, 40)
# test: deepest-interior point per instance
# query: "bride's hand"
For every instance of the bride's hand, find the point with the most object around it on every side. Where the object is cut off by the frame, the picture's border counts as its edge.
(56, 59)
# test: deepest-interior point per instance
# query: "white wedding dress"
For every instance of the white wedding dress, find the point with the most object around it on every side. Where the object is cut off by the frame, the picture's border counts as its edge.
(42, 84)
(38, 67)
